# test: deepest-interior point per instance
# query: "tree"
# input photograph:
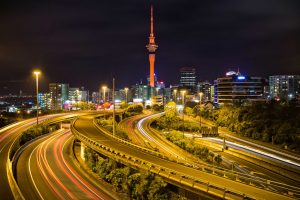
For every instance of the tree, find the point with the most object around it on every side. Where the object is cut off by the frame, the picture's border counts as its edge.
(116, 177)
(133, 182)
(218, 159)
(171, 109)
(157, 189)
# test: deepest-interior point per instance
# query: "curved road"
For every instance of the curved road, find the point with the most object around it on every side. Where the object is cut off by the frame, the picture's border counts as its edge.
(85, 126)
(8, 135)
(45, 171)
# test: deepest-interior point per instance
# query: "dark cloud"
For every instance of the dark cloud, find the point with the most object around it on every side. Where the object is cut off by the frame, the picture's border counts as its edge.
(85, 43)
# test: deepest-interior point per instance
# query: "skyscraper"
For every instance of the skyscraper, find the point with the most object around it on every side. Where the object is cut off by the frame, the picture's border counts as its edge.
(205, 88)
(58, 95)
(188, 77)
(151, 46)
(284, 86)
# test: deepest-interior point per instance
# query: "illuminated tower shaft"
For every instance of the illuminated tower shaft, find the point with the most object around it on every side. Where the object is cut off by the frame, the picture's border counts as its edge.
(151, 46)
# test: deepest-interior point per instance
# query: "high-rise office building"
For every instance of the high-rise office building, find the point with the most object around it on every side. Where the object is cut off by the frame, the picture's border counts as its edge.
(188, 77)
(44, 100)
(59, 94)
(205, 88)
(140, 91)
(237, 88)
(284, 86)
(74, 95)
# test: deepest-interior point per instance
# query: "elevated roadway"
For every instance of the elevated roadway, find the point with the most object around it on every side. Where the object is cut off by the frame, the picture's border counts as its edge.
(203, 179)
(229, 158)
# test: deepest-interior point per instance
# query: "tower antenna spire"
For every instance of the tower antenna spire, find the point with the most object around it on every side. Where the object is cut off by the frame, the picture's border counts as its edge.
(151, 20)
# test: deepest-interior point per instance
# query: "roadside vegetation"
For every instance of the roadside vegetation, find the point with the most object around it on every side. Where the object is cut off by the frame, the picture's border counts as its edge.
(175, 123)
(132, 110)
(268, 122)
(108, 125)
(37, 131)
(172, 124)
(137, 184)
(190, 146)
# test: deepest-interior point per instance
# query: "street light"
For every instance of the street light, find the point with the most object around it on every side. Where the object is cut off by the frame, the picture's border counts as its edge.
(157, 90)
(104, 89)
(200, 99)
(126, 92)
(37, 73)
(175, 96)
(183, 93)
(114, 109)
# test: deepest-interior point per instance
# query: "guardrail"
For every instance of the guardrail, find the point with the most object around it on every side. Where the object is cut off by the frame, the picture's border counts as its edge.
(139, 163)
(103, 130)
(166, 173)
(10, 157)
(246, 178)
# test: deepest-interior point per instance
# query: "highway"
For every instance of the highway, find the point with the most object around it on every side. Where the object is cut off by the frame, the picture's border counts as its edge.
(274, 153)
(45, 170)
(85, 126)
(258, 152)
(241, 165)
(163, 145)
(8, 135)
(280, 165)
(128, 125)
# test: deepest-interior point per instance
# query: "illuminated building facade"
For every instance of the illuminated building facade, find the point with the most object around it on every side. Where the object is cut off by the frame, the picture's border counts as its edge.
(44, 100)
(235, 88)
(140, 91)
(284, 87)
(205, 88)
(74, 95)
(188, 78)
(59, 94)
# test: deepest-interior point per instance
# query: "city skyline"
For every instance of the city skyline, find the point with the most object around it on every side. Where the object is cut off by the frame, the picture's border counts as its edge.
(85, 45)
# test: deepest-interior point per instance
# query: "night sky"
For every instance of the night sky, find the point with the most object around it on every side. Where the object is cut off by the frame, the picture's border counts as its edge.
(86, 43)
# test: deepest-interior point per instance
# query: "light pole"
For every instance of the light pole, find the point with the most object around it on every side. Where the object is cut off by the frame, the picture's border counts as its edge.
(104, 89)
(126, 93)
(175, 96)
(114, 105)
(37, 73)
(183, 93)
(157, 90)
(200, 99)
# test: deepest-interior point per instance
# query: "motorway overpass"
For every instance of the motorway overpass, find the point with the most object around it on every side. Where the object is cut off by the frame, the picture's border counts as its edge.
(195, 178)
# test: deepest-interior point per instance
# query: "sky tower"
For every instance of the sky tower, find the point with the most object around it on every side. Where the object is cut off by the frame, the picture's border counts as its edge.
(151, 46)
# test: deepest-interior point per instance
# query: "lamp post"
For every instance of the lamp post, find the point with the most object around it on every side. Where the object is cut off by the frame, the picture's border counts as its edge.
(104, 89)
(37, 73)
(175, 96)
(200, 99)
(114, 107)
(126, 93)
(183, 93)
(157, 90)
